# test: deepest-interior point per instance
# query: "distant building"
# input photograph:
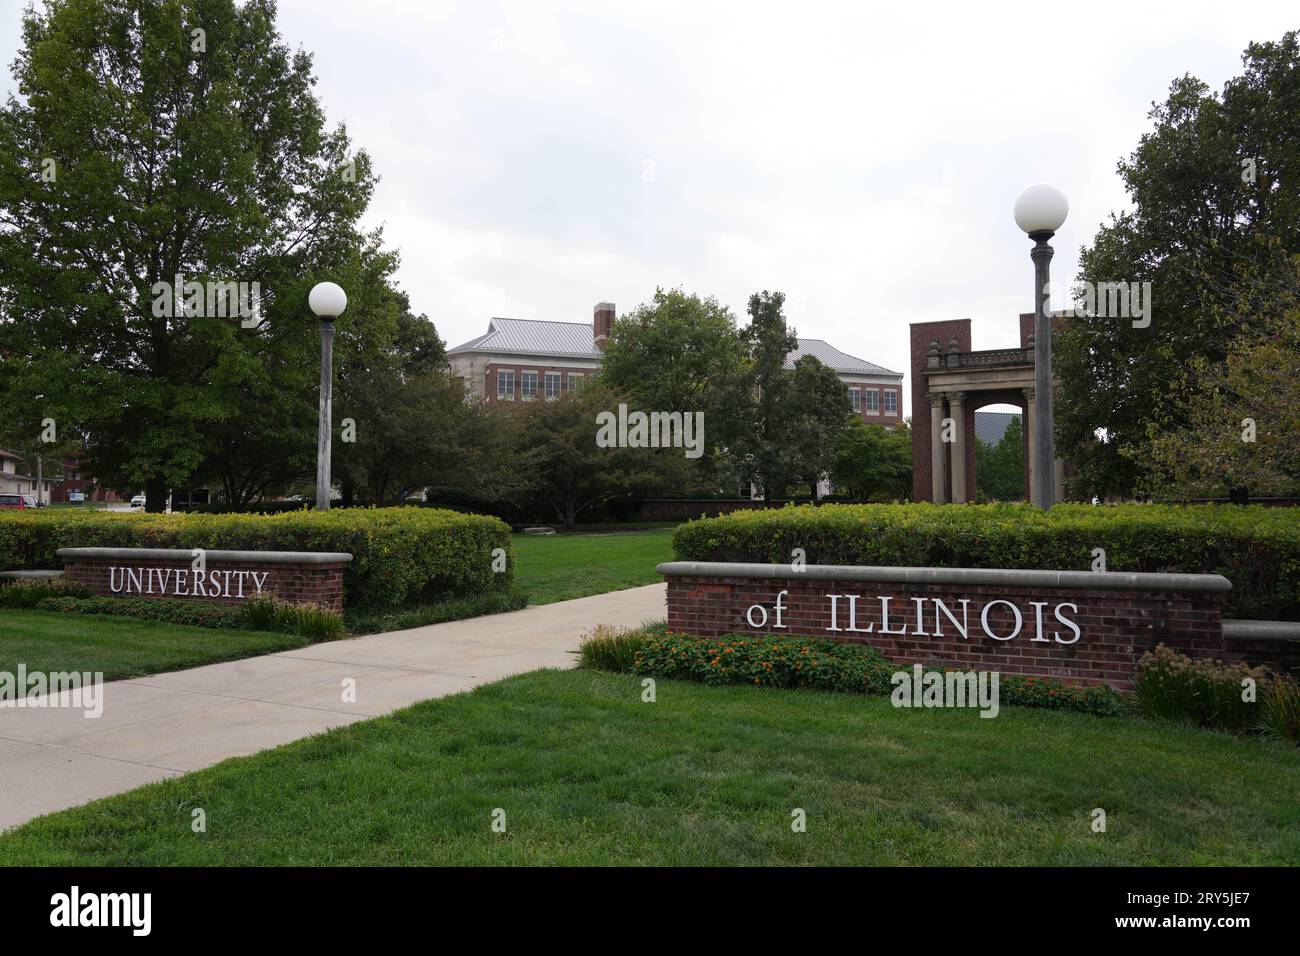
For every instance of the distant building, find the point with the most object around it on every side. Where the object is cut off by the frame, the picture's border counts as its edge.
(15, 480)
(526, 360)
(991, 426)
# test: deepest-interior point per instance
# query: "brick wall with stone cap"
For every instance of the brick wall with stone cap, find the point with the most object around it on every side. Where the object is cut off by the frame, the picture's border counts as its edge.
(228, 578)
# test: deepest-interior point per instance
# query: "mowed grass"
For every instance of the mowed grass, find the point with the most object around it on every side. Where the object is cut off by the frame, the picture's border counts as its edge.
(559, 567)
(586, 773)
(122, 647)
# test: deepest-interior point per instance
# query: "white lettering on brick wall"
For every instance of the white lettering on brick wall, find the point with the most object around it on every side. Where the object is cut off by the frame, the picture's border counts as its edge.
(184, 582)
(931, 615)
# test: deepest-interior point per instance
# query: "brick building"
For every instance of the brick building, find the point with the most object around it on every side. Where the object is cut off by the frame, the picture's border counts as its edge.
(526, 360)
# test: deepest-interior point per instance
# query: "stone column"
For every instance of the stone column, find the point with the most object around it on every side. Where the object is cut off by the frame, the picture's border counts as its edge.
(1031, 467)
(957, 402)
(1058, 479)
(937, 462)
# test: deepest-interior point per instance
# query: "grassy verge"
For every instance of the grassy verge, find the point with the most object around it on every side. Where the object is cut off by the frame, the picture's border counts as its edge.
(559, 567)
(587, 773)
(374, 621)
(123, 647)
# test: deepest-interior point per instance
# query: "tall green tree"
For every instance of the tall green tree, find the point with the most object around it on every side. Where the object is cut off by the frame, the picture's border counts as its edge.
(1234, 425)
(873, 462)
(820, 413)
(1214, 205)
(768, 441)
(570, 473)
(152, 139)
(684, 353)
(1000, 468)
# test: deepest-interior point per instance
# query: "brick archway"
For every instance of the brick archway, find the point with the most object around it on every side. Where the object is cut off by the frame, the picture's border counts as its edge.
(949, 382)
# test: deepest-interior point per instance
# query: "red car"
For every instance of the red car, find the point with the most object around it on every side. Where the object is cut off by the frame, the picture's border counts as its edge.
(14, 501)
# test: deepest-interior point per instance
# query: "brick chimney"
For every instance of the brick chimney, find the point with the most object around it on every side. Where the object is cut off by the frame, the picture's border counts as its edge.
(602, 323)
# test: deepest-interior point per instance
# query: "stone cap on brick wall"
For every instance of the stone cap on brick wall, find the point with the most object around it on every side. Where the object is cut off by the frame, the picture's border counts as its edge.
(1242, 630)
(1002, 577)
(221, 557)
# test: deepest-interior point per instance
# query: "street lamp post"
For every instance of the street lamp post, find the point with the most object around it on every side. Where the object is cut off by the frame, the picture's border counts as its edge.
(1040, 211)
(327, 301)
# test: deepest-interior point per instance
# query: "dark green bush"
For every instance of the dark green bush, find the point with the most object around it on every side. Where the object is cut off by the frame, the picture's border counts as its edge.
(1205, 693)
(612, 649)
(259, 614)
(194, 613)
(1050, 694)
(400, 555)
(1256, 548)
(821, 664)
(28, 594)
(815, 663)
(1280, 706)
(308, 620)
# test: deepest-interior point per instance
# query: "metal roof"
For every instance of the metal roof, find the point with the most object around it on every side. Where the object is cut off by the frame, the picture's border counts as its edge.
(534, 337)
(829, 355)
(576, 340)
(990, 426)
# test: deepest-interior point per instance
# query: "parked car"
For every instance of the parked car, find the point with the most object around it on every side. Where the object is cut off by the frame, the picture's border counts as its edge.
(32, 502)
(14, 501)
(137, 501)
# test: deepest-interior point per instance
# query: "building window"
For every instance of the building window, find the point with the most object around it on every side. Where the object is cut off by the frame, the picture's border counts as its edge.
(575, 379)
(891, 403)
(873, 401)
(552, 385)
(855, 399)
(506, 384)
(528, 385)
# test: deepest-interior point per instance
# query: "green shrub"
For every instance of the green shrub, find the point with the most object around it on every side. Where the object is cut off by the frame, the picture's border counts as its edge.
(810, 662)
(374, 621)
(26, 595)
(400, 555)
(613, 649)
(1280, 709)
(1206, 693)
(819, 664)
(1052, 694)
(259, 614)
(194, 613)
(1256, 548)
(307, 620)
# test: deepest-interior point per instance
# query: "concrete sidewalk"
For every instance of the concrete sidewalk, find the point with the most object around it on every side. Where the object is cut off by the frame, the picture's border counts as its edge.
(167, 724)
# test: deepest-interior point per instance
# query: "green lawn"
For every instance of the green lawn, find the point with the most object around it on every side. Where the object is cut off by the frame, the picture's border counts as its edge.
(558, 567)
(122, 647)
(588, 774)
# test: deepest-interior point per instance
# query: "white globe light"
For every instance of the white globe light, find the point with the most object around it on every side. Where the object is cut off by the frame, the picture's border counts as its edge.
(327, 300)
(1041, 208)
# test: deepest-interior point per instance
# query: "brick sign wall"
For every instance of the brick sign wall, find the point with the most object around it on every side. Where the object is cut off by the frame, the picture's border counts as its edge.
(1077, 626)
(221, 577)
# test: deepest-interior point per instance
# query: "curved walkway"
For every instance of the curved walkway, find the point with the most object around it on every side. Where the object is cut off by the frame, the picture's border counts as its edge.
(164, 725)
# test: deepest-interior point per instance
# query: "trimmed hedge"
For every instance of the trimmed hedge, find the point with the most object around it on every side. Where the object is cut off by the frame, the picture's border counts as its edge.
(821, 664)
(192, 613)
(400, 555)
(1256, 548)
(259, 614)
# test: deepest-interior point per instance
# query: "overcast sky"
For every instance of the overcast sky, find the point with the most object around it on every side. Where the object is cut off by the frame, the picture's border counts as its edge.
(539, 157)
